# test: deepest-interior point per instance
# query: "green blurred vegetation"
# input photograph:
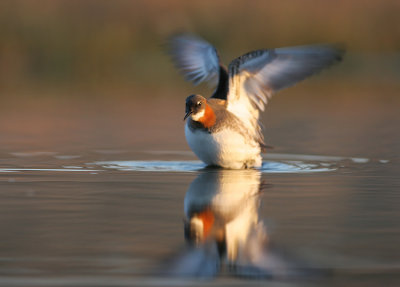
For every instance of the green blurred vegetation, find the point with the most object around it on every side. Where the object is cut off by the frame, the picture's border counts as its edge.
(95, 45)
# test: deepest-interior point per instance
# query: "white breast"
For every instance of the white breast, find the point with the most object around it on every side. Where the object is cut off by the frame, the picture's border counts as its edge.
(226, 148)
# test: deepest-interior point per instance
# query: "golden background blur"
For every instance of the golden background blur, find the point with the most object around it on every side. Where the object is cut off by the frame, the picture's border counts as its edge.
(81, 73)
(102, 44)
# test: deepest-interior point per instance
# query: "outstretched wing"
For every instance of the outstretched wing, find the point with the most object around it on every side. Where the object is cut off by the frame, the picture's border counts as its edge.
(255, 76)
(196, 59)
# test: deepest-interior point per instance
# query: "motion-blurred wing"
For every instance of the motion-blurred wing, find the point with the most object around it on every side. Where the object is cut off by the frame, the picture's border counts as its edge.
(197, 59)
(255, 76)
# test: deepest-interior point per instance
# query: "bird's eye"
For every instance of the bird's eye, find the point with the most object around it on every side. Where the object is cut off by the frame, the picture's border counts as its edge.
(198, 103)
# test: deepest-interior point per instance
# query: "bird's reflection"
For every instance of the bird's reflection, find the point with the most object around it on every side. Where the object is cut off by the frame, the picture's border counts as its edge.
(223, 228)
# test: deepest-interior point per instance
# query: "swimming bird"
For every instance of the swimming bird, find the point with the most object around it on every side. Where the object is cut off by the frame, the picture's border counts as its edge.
(224, 130)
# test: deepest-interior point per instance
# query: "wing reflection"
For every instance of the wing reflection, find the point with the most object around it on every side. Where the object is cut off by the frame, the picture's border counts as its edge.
(224, 231)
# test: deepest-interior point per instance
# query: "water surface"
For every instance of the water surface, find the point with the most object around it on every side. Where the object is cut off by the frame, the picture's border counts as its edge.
(93, 219)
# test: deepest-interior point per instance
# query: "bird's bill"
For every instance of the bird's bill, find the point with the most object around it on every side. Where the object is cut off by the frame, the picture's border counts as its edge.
(187, 114)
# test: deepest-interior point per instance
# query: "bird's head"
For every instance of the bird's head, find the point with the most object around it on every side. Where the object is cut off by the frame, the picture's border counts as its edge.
(195, 107)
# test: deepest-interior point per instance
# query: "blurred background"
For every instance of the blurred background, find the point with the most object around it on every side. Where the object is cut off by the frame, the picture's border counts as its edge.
(87, 74)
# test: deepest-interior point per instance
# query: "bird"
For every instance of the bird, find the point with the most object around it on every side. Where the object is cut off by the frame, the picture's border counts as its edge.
(224, 130)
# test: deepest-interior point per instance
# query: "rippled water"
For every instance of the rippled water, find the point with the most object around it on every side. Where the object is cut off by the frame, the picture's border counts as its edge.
(117, 218)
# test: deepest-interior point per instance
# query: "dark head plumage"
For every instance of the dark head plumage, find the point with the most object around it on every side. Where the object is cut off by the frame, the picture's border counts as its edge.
(195, 105)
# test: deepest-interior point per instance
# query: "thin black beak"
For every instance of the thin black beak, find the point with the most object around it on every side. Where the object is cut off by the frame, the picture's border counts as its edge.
(187, 114)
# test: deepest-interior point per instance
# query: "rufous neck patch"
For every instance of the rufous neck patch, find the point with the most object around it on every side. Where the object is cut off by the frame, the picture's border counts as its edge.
(208, 120)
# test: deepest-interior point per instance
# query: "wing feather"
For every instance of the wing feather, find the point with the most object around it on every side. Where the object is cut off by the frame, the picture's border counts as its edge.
(256, 76)
(195, 58)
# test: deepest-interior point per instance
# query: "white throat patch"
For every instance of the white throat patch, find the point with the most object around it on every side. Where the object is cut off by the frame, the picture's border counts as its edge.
(198, 115)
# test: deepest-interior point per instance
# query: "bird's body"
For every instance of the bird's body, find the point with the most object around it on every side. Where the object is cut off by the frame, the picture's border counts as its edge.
(226, 142)
(224, 130)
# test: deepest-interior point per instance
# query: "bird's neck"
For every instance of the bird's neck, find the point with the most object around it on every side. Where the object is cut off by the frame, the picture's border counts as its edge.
(207, 217)
(209, 118)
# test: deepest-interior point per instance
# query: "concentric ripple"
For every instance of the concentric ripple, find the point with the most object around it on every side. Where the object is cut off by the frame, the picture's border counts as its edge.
(192, 166)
